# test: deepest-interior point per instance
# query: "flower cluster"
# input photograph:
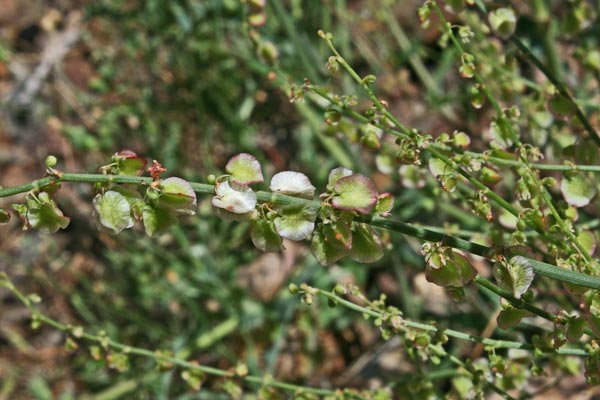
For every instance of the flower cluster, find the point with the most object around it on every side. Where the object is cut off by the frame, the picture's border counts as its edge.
(332, 225)
(335, 222)
(117, 207)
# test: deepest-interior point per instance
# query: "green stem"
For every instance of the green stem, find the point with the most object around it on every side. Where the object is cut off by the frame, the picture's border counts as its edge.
(498, 344)
(513, 134)
(540, 268)
(562, 89)
(413, 58)
(565, 228)
(107, 343)
(436, 153)
(519, 303)
(348, 112)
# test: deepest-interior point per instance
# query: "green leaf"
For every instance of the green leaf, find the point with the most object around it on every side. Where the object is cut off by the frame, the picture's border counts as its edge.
(44, 214)
(264, 236)
(324, 251)
(244, 169)
(230, 216)
(134, 198)
(339, 233)
(500, 134)
(355, 193)
(238, 202)
(439, 168)
(577, 189)
(561, 107)
(295, 223)
(157, 220)
(178, 195)
(293, 184)
(515, 276)
(366, 244)
(461, 139)
(113, 211)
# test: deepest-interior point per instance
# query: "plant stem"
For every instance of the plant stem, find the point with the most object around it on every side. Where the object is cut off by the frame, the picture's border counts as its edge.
(565, 228)
(348, 112)
(111, 344)
(498, 344)
(515, 138)
(434, 152)
(540, 268)
(562, 89)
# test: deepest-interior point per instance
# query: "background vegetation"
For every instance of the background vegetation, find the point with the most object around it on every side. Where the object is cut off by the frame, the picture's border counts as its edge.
(191, 83)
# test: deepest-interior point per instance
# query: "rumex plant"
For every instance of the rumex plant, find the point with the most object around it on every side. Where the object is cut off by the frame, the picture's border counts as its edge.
(537, 224)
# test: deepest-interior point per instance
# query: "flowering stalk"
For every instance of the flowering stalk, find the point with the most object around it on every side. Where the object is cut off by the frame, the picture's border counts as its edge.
(541, 268)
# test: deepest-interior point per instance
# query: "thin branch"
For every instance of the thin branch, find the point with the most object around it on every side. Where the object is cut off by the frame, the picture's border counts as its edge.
(539, 267)
(498, 344)
(157, 357)
(562, 89)
(515, 138)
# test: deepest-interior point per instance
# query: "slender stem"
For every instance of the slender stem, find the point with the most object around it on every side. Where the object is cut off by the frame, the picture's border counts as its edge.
(565, 228)
(111, 344)
(415, 61)
(540, 268)
(520, 303)
(498, 344)
(513, 134)
(348, 112)
(436, 153)
(472, 372)
(560, 86)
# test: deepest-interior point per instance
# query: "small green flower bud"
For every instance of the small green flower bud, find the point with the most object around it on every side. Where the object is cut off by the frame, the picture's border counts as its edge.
(293, 288)
(308, 299)
(153, 194)
(340, 289)
(519, 237)
(369, 79)
(211, 179)
(396, 322)
(549, 181)
(268, 52)
(371, 141)
(34, 298)
(503, 21)
(51, 161)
